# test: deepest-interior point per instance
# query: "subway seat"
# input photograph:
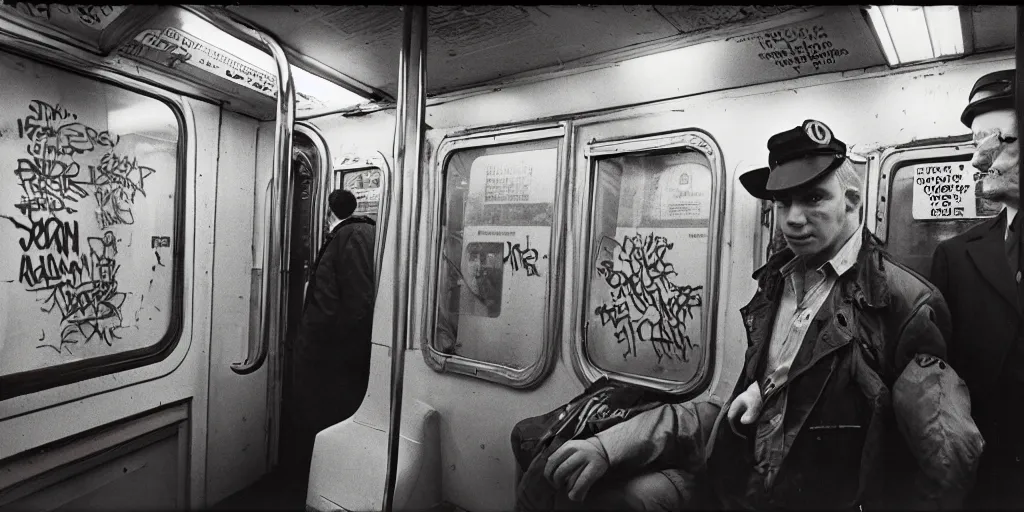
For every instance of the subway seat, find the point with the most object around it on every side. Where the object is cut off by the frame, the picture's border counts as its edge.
(350, 459)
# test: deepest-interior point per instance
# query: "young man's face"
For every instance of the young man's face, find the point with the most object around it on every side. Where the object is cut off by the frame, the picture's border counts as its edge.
(998, 156)
(813, 217)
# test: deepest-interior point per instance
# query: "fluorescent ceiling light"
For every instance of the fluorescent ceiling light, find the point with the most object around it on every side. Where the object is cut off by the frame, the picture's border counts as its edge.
(912, 33)
(312, 93)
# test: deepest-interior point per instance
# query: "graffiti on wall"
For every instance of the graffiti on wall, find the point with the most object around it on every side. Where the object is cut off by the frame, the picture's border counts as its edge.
(645, 307)
(73, 275)
(96, 17)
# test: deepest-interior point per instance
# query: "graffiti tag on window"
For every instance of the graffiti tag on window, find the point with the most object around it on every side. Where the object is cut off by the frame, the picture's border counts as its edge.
(75, 277)
(646, 308)
(519, 258)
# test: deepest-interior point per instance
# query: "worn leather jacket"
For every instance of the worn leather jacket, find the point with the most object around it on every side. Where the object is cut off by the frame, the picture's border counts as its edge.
(872, 416)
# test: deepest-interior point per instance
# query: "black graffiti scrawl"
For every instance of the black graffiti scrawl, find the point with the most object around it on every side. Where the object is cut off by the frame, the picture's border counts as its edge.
(646, 308)
(73, 280)
(519, 258)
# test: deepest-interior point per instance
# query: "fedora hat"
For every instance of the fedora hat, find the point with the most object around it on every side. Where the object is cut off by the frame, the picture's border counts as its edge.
(795, 157)
(993, 91)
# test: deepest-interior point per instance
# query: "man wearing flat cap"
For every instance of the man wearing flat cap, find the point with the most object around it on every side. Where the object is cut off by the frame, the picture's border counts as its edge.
(979, 274)
(845, 399)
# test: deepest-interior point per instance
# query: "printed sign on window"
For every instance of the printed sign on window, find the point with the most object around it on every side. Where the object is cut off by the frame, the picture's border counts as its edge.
(944, 190)
(683, 192)
(365, 185)
(514, 178)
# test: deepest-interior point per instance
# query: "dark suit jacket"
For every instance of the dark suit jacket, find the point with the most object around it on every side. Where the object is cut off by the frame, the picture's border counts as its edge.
(971, 271)
(973, 275)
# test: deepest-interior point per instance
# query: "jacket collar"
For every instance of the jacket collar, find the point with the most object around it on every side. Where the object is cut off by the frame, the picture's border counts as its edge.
(865, 282)
(352, 219)
(981, 229)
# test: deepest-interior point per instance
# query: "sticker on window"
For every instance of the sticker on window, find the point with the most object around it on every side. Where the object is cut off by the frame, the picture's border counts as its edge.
(944, 190)
(484, 272)
(365, 185)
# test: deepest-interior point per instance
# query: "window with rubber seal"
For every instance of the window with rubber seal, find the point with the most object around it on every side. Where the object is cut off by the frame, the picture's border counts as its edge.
(651, 225)
(494, 266)
(91, 205)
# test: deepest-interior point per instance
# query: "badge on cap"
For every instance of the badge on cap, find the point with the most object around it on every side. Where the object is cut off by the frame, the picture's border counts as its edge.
(817, 131)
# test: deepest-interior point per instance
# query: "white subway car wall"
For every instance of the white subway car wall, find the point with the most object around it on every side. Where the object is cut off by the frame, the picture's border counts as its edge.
(564, 121)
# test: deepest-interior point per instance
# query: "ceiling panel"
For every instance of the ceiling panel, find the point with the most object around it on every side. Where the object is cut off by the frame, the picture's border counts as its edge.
(994, 26)
(697, 18)
(359, 41)
(471, 45)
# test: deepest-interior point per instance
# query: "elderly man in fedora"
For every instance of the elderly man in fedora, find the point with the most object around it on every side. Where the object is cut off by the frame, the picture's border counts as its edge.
(979, 273)
(844, 401)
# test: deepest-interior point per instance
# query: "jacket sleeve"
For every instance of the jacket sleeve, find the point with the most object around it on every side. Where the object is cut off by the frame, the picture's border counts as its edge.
(933, 412)
(932, 407)
(671, 435)
(927, 331)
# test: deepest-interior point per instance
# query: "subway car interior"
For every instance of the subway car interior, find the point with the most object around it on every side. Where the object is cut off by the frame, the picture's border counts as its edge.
(505, 154)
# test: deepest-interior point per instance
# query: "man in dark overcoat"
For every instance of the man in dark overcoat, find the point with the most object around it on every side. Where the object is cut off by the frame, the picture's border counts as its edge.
(979, 273)
(331, 354)
(844, 401)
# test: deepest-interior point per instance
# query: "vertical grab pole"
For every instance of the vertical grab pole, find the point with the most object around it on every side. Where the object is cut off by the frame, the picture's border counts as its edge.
(404, 193)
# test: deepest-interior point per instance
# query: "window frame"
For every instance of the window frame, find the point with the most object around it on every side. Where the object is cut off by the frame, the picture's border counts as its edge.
(895, 158)
(693, 139)
(34, 381)
(531, 376)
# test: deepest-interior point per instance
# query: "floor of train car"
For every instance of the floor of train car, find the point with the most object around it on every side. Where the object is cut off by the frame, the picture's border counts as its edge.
(271, 492)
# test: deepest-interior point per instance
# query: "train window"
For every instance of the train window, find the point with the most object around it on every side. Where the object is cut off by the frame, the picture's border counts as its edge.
(929, 198)
(365, 184)
(91, 228)
(652, 261)
(494, 279)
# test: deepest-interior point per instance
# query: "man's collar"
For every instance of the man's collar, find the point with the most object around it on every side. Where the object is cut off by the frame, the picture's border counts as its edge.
(868, 283)
(334, 224)
(1011, 213)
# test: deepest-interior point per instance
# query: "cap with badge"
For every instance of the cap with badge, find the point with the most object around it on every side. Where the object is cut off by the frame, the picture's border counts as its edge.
(993, 91)
(795, 157)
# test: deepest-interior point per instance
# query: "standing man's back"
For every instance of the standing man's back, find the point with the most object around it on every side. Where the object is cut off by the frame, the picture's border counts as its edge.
(331, 354)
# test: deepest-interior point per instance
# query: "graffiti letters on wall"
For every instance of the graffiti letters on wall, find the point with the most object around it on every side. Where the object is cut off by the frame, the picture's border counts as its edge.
(74, 275)
(646, 308)
(804, 49)
(171, 47)
(94, 16)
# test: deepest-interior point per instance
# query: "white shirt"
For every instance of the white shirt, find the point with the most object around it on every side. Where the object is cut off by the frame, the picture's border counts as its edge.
(804, 294)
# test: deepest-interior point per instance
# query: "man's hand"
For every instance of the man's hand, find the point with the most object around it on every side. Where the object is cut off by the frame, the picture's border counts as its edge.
(747, 405)
(575, 466)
